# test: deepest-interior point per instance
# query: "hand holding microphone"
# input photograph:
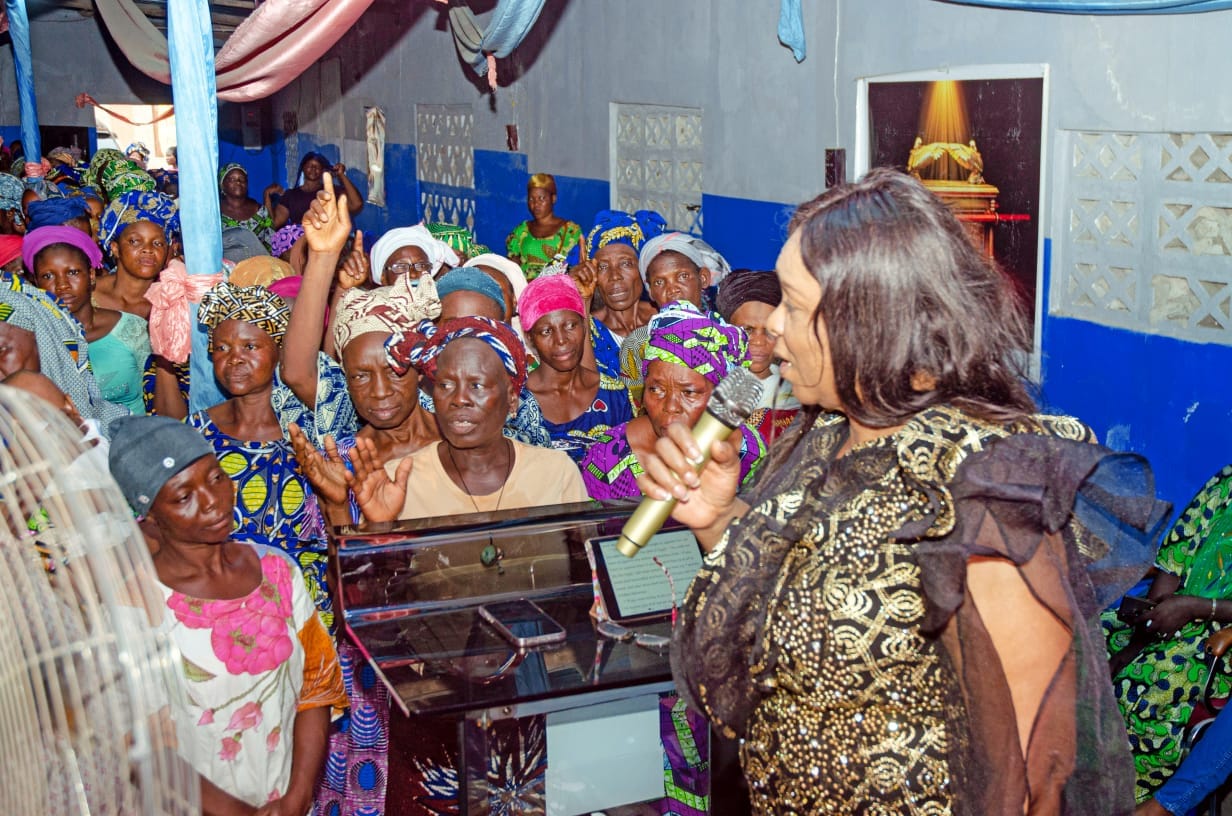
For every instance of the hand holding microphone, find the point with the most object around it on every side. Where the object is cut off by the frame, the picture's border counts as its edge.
(672, 472)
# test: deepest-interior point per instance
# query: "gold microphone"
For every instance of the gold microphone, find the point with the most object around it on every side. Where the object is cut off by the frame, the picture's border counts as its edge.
(733, 401)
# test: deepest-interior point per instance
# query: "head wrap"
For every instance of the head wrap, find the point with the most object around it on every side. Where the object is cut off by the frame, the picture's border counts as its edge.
(439, 253)
(11, 190)
(619, 227)
(62, 348)
(129, 208)
(469, 279)
(10, 248)
(260, 270)
(227, 168)
(63, 154)
(240, 244)
(693, 248)
(746, 286)
(147, 451)
(507, 268)
(56, 211)
(251, 304)
(683, 336)
(39, 239)
(386, 309)
(285, 238)
(139, 148)
(405, 351)
(289, 286)
(459, 239)
(117, 174)
(547, 294)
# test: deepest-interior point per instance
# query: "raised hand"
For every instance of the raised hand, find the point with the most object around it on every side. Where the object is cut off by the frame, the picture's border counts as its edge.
(586, 277)
(380, 498)
(327, 472)
(328, 221)
(355, 268)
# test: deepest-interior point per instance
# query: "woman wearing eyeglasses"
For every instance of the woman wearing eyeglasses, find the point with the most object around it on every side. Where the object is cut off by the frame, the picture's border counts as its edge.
(409, 253)
(898, 617)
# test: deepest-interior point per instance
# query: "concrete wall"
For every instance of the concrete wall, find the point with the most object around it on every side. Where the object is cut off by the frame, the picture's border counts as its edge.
(767, 122)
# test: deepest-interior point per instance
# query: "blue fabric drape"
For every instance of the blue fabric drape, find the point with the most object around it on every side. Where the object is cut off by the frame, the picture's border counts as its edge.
(1103, 6)
(190, 38)
(19, 31)
(507, 26)
(791, 27)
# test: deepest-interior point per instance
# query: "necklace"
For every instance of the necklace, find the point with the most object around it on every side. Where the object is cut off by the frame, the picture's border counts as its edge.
(467, 488)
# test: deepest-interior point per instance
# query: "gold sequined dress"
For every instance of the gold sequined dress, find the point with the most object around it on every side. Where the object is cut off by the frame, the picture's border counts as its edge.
(804, 632)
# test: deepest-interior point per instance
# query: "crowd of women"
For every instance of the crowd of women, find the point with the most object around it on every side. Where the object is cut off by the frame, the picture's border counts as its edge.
(899, 606)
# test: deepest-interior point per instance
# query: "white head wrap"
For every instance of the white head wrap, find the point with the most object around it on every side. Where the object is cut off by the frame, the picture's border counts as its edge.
(438, 252)
(693, 248)
(509, 269)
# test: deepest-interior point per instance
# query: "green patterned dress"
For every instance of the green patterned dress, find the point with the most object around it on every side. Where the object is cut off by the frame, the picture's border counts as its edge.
(532, 253)
(1158, 688)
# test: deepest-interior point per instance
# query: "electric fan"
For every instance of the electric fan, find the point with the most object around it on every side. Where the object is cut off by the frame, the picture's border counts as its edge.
(83, 674)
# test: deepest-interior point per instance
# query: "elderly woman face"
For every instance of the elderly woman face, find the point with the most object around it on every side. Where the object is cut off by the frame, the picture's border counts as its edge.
(196, 504)
(802, 344)
(408, 261)
(473, 394)
(382, 398)
(244, 357)
(671, 277)
(673, 394)
(18, 350)
(619, 280)
(559, 338)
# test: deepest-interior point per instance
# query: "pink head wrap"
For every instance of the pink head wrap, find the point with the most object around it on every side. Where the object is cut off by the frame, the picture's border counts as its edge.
(170, 319)
(37, 240)
(548, 293)
(10, 248)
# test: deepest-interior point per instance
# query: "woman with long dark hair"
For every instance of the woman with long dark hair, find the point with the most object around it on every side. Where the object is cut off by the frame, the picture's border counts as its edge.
(897, 617)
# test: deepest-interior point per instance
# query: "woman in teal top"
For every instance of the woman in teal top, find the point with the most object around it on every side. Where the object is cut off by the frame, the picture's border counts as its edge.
(62, 261)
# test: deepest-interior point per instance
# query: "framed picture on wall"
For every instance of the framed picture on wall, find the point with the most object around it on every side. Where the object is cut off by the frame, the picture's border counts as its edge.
(974, 136)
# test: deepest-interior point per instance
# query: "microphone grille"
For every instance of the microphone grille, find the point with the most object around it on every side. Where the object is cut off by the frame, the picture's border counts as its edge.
(736, 397)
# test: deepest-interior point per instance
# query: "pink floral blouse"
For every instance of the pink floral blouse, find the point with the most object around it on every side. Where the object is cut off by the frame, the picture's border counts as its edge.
(249, 665)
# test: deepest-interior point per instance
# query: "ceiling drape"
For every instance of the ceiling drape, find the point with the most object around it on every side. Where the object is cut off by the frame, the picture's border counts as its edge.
(272, 47)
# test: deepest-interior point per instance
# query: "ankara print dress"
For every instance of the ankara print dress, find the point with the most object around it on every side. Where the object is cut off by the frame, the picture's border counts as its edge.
(274, 505)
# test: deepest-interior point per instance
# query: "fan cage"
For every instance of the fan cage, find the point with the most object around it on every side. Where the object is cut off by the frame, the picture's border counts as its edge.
(84, 672)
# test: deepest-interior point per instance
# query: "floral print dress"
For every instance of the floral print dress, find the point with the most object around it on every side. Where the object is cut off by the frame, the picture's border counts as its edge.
(248, 666)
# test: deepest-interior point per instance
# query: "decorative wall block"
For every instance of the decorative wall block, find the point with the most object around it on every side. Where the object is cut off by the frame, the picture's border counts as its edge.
(658, 161)
(445, 158)
(1143, 232)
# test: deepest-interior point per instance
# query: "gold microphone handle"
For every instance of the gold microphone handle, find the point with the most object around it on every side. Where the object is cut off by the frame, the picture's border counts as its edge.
(650, 515)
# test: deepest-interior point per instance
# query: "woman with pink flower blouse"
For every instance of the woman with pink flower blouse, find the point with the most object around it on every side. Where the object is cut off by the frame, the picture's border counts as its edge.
(259, 671)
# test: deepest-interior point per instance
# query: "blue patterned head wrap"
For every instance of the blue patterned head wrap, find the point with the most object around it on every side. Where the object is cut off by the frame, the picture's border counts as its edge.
(129, 208)
(619, 227)
(11, 190)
